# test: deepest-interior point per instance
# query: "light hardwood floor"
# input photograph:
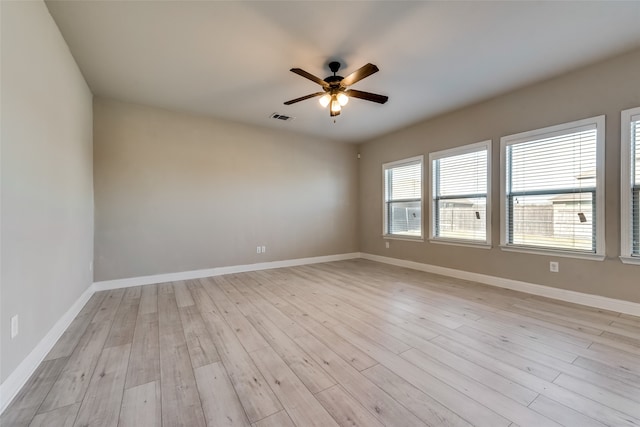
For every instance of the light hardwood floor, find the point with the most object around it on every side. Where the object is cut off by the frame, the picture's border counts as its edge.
(352, 343)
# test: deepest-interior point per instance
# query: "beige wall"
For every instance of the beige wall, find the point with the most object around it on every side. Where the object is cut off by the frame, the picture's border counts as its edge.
(46, 174)
(176, 192)
(604, 88)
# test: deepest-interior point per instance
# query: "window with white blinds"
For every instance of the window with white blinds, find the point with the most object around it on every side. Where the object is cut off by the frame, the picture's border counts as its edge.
(460, 185)
(553, 182)
(630, 185)
(403, 198)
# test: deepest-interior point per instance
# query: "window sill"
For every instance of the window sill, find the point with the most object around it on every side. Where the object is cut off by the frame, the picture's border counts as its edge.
(406, 238)
(557, 253)
(465, 243)
(630, 260)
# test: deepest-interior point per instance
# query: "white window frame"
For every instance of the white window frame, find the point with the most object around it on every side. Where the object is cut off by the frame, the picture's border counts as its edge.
(626, 230)
(385, 219)
(600, 250)
(437, 155)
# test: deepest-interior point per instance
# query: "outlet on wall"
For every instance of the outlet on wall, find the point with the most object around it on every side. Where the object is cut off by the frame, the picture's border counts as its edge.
(14, 326)
(386, 245)
(258, 249)
(554, 266)
(264, 249)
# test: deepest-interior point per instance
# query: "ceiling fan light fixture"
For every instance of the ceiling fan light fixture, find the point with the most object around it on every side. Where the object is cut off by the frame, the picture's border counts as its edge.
(335, 105)
(324, 100)
(343, 99)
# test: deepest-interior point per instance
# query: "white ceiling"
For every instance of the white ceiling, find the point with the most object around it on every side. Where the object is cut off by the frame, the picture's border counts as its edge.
(231, 59)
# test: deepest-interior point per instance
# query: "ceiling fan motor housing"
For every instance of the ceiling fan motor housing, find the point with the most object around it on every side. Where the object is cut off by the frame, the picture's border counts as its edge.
(334, 81)
(334, 85)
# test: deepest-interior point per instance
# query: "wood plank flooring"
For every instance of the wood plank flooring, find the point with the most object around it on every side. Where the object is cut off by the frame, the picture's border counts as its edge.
(350, 343)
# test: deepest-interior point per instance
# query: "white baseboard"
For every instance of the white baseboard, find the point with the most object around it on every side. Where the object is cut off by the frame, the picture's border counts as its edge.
(18, 378)
(218, 271)
(590, 300)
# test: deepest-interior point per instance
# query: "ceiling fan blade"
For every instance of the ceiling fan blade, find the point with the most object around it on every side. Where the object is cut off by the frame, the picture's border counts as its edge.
(368, 96)
(359, 74)
(302, 98)
(303, 73)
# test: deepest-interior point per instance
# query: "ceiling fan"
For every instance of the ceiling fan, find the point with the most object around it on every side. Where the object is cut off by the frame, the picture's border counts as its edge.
(335, 87)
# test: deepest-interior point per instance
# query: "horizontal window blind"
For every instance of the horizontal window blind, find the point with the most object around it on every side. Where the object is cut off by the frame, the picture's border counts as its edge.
(403, 198)
(561, 162)
(462, 174)
(460, 196)
(405, 182)
(635, 190)
(551, 190)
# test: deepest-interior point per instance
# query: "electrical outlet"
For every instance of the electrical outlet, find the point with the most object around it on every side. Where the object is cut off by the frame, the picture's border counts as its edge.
(386, 245)
(14, 326)
(554, 266)
(264, 249)
(258, 249)
(90, 266)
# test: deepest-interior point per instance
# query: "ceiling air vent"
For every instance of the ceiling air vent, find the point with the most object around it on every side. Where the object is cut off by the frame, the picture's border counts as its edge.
(281, 117)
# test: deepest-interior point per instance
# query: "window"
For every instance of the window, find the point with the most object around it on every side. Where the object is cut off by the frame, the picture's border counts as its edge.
(459, 204)
(630, 186)
(553, 189)
(403, 198)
